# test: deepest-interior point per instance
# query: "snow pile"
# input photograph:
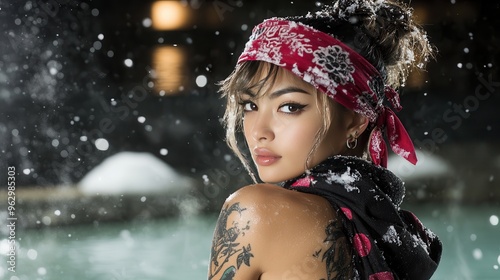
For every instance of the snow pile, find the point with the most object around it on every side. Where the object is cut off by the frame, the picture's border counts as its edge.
(133, 173)
(428, 166)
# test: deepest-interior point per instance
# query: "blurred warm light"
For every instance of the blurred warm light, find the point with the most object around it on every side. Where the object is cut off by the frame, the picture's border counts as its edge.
(417, 79)
(421, 14)
(169, 68)
(169, 15)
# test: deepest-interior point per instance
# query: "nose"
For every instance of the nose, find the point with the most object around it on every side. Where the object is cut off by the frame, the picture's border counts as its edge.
(260, 126)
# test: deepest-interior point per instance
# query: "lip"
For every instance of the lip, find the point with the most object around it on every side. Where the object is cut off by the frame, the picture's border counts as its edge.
(265, 157)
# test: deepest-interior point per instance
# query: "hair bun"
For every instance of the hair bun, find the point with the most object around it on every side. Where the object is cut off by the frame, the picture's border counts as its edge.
(390, 12)
(386, 34)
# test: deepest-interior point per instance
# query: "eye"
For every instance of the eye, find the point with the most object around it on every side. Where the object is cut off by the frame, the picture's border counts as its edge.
(292, 108)
(248, 106)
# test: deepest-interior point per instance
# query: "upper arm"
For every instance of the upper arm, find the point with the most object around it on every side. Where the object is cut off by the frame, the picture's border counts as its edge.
(235, 241)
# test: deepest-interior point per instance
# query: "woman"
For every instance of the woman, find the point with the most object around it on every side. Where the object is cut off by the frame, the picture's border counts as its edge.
(308, 94)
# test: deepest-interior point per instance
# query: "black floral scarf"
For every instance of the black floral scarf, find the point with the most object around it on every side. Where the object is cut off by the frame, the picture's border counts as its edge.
(388, 242)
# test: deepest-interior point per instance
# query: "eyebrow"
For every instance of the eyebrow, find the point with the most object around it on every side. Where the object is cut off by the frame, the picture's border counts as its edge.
(277, 93)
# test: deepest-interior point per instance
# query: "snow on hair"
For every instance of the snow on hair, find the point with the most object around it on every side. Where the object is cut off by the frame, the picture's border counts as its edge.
(383, 31)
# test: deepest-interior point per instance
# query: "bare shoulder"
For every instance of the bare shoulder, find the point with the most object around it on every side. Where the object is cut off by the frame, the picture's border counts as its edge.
(279, 233)
(273, 209)
(274, 203)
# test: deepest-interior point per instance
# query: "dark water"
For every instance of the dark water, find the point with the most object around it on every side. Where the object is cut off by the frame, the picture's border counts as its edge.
(167, 249)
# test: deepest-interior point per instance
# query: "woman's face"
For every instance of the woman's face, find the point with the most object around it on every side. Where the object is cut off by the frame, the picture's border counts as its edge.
(280, 126)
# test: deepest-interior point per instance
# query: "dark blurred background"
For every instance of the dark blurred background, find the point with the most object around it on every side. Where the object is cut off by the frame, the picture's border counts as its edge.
(142, 75)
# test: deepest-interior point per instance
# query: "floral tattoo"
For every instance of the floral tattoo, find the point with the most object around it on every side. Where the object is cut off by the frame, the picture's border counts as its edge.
(338, 257)
(226, 245)
(338, 262)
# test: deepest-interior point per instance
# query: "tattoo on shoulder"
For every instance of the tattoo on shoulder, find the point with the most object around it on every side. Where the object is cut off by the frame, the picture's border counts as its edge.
(338, 256)
(226, 244)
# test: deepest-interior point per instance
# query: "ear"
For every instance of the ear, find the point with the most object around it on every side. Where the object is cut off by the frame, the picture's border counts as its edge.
(357, 125)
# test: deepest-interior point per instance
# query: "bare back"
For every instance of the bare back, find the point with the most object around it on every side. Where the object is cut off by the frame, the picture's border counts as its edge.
(267, 232)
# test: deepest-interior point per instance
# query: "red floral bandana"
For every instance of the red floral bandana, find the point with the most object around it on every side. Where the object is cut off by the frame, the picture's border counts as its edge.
(341, 73)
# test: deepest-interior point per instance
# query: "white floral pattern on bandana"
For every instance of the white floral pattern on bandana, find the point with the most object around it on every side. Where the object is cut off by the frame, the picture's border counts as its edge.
(270, 47)
(336, 62)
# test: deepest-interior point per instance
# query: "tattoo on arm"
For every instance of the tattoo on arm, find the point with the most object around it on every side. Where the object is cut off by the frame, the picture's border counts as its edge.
(226, 244)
